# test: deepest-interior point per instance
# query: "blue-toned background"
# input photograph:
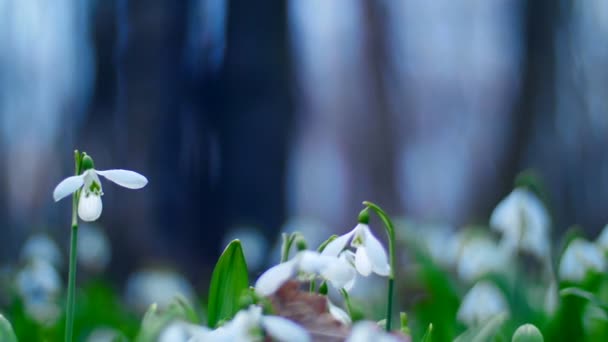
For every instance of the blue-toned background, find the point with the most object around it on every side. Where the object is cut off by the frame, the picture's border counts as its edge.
(252, 117)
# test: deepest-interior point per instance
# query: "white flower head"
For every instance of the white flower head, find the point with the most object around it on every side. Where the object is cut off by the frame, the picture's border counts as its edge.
(90, 205)
(480, 255)
(248, 324)
(482, 302)
(524, 222)
(579, 258)
(365, 331)
(370, 255)
(309, 264)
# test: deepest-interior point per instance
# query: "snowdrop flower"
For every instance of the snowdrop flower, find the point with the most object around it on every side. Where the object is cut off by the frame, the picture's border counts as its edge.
(39, 285)
(180, 331)
(41, 246)
(247, 325)
(524, 223)
(89, 205)
(310, 263)
(579, 258)
(482, 302)
(370, 256)
(365, 331)
(479, 256)
(156, 286)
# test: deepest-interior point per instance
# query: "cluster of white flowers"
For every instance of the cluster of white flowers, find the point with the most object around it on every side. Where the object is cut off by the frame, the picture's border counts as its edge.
(336, 264)
(251, 325)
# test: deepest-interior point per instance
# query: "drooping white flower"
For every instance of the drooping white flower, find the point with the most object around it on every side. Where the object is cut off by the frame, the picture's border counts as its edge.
(365, 331)
(180, 331)
(482, 302)
(370, 255)
(308, 263)
(90, 205)
(524, 223)
(39, 286)
(480, 255)
(159, 286)
(41, 246)
(580, 258)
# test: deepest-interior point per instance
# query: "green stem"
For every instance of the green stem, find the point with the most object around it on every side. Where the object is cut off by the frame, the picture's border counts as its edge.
(390, 231)
(71, 300)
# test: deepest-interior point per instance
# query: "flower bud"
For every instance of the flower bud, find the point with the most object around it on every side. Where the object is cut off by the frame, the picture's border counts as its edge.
(87, 163)
(527, 333)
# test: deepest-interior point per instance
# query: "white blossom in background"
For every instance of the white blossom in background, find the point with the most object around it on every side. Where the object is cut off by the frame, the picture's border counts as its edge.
(156, 286)
(370, 255)
(482, 302)
(479, 256)
(602, 239)
(580, 258)
(551, 299)
(246, 326)
(524, 223)
(90, 205)
(442, 244)
(94, 249)
(307, 264)
(41, 246)
(365, 331)
(39, 286)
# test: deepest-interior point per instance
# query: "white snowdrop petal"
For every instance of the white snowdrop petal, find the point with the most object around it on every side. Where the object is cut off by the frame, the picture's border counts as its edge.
(339, 272)
(67, 187)
(602, 240)
(362, 262)
(273, 278)
(125, 178)
(580, 257)
(284, 330)
(338, 313)
(89, 207)
(482, 302)
(335, 247)
(377, 254)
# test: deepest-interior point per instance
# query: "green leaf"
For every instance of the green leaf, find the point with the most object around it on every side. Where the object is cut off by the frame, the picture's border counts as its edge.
(155, 319)
(228, 281)
(6, 331)
(574, 291)
(428, 335)
(484, 332)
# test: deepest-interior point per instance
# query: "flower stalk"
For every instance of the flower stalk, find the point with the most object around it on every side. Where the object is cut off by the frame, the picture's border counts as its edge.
(390, 231)
(71, 300)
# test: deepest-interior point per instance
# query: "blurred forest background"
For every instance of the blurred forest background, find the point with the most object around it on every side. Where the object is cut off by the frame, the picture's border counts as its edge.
(254, 116)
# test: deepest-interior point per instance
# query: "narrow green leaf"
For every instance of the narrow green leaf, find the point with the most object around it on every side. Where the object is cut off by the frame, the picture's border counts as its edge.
(483, 332)
(6, 331)
(428, 335)
(228, 281)
(574, 291)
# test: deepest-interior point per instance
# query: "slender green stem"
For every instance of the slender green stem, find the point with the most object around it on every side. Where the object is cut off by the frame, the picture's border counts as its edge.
(390, 231)
(71, 302)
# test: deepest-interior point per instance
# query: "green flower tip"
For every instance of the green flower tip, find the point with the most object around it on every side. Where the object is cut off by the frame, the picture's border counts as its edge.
(301, 244)
(527, 333)
(87, 162)
(364, 216)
